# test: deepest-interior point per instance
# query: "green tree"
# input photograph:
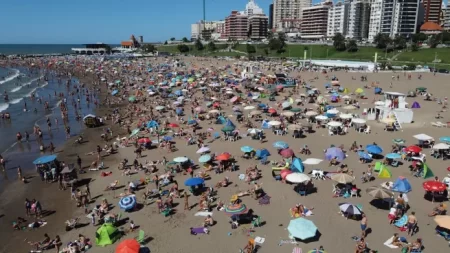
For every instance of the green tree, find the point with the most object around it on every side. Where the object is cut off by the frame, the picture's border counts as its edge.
(266, 51)
(198, 45)
(419, 37)
(251, 49)
(108, 49)
(399, 42)
(183, 48)
(434, 40)
(269, 35)
(382, 40)
(212, 47)
(172, 39)
(282, 39)
(275, 44)
(339, 42)
(148, 48)
(185, 40)
(415, 47)
(445, 37)
(352, 46)
(165, 42)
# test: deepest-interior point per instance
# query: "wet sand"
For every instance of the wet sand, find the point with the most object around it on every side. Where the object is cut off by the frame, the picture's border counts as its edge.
(171, 234)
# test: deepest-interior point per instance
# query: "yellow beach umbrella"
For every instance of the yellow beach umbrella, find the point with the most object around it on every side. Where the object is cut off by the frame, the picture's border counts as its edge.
(359, 90)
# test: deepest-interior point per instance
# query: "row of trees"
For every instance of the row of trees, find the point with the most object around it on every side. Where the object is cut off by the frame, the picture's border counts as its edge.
(341, 44)
(198, 45)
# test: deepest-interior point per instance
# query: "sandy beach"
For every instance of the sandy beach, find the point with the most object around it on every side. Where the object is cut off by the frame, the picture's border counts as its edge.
(172, 233)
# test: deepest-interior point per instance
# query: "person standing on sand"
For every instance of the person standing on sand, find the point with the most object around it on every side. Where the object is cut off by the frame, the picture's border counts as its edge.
(88, 191)
(363, 225)
(186, 201)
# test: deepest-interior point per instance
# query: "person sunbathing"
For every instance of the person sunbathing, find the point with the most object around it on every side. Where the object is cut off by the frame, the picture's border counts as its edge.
(396, 241)
(333, 161)
(46, 242)
(112, 186)
(415, 246)
(208, 221)
(439, 210)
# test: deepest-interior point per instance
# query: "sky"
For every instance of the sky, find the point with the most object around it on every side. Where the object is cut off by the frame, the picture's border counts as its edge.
(107, 21)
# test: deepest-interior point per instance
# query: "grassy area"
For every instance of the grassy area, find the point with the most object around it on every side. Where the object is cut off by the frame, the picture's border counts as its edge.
(426, 56)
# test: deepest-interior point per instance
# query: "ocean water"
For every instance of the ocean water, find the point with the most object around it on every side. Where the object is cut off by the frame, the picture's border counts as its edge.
(8, 49)
(19, 84)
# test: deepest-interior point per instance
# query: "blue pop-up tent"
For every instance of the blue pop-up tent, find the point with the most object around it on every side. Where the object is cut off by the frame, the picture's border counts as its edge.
(260, 153)
(152, 123)
(265, 124)
(229, 123)
(297, 165)
(401, 185)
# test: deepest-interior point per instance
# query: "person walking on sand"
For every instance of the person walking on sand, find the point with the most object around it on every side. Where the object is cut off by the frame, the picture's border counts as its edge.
(79, 162)
(363, 225)
(186, 201)
(88, 191)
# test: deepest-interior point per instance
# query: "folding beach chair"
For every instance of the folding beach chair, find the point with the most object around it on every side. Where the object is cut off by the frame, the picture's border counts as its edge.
(141, 237)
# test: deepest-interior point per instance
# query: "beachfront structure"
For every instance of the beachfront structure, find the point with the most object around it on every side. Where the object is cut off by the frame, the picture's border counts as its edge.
(430, 28)
(446, 19)
(98, 48)
(392, 109)
(271, 16)
(432, 10)
(337, 19)
(258, 26)
(251, 8)
(236, 26)
(357, 65)
(130, 44)
(315, 21)
(394, 17)
(287, 14)
(198, 29)
(358, 19)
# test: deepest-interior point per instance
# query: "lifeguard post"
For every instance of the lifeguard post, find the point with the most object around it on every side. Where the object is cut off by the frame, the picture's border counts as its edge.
(394, 107)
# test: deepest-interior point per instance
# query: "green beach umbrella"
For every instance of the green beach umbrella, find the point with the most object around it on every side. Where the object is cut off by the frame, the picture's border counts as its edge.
(135, 132)
(132, 99)
(399, 141)
(295, 110)
(228, 129)
(117, 81)
(421, 88)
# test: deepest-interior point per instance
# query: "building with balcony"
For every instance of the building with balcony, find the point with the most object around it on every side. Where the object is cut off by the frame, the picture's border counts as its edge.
(236, 26)
(251, 8)
(204, 28)
(337, 19)
(315, 21)
(376, 7)
(446, 19)
(432, 10)
(358, 19)
(287, 14)
(258, 26)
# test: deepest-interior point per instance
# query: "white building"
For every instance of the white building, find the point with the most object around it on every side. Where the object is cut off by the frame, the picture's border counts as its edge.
(287, 14)
(252, 8)
(376, 7)
(446, 20)
(358, 19)
(337, 19)
(197, 28)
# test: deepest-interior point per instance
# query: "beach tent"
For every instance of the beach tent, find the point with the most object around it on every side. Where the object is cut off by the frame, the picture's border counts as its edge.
(152, 123)
(401, 185)
(415, 105)
(265, 124)
(377, 167)
(107, 234)
(427, 172)
(384, 172)
(297, 165)
(229, 123)
(378, 90)
(221, 120)
(260, 153)
(345, 91)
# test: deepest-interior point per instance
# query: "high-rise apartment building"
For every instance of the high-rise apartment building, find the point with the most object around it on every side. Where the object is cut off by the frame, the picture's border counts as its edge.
(315, 21)
(446, 20)
(252, 8)
(236, 26)
(287, 14)
(337, 19)
(376, 7)
(271, 16)
(358, 19)
(432, 10)
(257, 26)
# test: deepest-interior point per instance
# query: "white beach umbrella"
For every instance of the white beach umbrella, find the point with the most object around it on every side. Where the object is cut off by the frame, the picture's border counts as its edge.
(274, 123)
(346, 97)
(254, 131)
(213, 111)
(249, 107)
(334, 124)
(297, 178)
(359, 121)
(312, 161)
(441, 146)
(380, 103)
(321, 117)
(422, 137)
(333, 111)
(345, 116)
(287, 114)
(180, 159)
(311, 113)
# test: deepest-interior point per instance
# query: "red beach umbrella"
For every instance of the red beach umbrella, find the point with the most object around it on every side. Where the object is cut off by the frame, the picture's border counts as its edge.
(144, 140)
(434, 186)
(284, 173)
(286, 153)
(271, 110)
(414, 149)
(223, 157)
(128, 246)
(173, 125)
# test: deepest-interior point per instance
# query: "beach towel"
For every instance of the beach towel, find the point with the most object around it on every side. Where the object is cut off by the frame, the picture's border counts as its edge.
(401, 222)
(203, 214)
(199, 230)
(297, 250)
(388, 243)
(264, 200)
(260, 240)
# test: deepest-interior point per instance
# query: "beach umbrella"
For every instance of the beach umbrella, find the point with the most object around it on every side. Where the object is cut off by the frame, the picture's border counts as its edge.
(262, 153)
(359, 90)
(193, 181)
(302, 228)
(213, 111)
(374, 149)
(128, 246)
(202, 150)
(253, 113)
(297, 178)
(135, 132)
(280, 145)
(393, 156)
(398, 141)
(295, 109)
(274, 123)
(311, 113)
(127, 203)
(144, 140)
(441, 146)
(334, 124)
(44, 159)
(272, 111)
(349, 107)
(334, 152)
(364, 155)
(254, 131)
(342, 178)
(204, 158)
(312, 161)
(345, 116)
(159, 108)
(223, 157)
(445, 139)
(321, 117)
(294, 127)
(414, 149)
(443, 221)
(192, 122)
(246, 149)
(379, 192)
(421, 89)
(235, 209)
(250, 107)
(359, 121)
(287, 114)
(317, 251)
(132, 99)
(173, 125)
(180, 159)
(333, 111)
(228, 129)
(167, 138)
(286, 104)
(114, 92)
(350, 209)
(286, 153)
(434, 186)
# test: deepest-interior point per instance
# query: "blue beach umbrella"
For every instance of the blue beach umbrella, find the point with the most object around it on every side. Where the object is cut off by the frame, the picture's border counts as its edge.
(114, 92)
(374, 149)
(194, 181)
(364, 155)
(44, 159)
(178, 93)
(302, 228)
(167, 138)
(127, 203)
(393, 156)
(445, 139)
(191, 122)
(280, 145)
(262, 153)
(246, 149)
(204, 158)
